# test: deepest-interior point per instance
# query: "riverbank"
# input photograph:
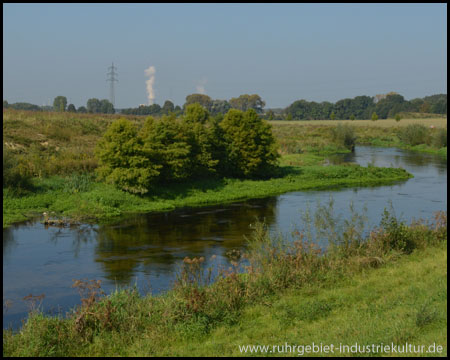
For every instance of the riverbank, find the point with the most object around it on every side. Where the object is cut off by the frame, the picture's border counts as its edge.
(395, 279)
(316, 135)
(80, 198)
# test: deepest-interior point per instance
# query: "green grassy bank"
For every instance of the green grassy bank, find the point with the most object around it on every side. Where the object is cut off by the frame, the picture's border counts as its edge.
(82, 199)
(389, 288)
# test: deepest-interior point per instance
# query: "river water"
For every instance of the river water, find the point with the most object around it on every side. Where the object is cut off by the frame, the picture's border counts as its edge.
(146, 250)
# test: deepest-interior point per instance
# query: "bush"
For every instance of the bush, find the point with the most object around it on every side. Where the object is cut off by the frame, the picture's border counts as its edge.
(374, 116)
(251, 147)
(414, 134)
(398, 117)
(15, 172)
(166, 142)
(344, 135)
(439, 139)
(123, 161)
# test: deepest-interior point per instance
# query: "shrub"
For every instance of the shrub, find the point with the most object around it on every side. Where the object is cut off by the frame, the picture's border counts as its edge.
(251, 147)
(166, 142)
(205, 139)
(15, 172)
(397, 117)
(414, 134)
(374, 116)
(122, 159)
(439, 139)
(344, 135)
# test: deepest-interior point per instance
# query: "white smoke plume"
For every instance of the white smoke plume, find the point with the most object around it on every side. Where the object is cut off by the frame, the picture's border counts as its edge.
(201, 86)
(150, 72)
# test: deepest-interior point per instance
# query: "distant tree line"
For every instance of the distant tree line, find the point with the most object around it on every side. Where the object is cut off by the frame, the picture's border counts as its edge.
(93, 106)
(361, 107)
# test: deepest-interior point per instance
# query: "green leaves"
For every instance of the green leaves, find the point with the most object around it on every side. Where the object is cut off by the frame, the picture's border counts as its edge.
(194, 146)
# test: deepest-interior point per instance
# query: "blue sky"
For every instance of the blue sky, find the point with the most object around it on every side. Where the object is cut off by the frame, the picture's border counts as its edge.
(283, 52)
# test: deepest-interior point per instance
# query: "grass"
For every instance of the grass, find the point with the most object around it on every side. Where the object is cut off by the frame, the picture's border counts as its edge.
(315, 136)
(364, 290)
(103, 202)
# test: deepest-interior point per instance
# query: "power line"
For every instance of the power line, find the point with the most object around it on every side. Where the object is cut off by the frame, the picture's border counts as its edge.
(112, 78)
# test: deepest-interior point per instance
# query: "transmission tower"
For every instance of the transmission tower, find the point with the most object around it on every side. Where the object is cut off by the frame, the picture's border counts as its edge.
(111, 78)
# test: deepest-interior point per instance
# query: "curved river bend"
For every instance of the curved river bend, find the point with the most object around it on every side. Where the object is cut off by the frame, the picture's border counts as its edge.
(146, 250)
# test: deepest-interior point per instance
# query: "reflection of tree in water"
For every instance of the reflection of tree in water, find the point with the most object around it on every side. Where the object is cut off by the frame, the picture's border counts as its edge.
(80, 234)
(156, 242)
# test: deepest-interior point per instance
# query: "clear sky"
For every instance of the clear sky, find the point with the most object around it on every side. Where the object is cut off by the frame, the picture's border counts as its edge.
(283, 52)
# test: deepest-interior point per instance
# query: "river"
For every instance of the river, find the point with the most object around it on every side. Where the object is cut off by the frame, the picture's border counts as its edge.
(146, 250)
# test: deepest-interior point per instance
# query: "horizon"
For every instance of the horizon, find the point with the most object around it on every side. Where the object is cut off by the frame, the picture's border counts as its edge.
(282, 52)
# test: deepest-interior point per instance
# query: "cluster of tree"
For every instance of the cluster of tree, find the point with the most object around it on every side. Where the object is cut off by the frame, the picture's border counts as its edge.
(21, 106)
(93, 106)
(60, 105)
(214, 107)
(363, 107)
(154, 110)
(194, 145)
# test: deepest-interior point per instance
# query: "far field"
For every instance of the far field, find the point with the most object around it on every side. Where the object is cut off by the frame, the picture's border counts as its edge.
(439, 122)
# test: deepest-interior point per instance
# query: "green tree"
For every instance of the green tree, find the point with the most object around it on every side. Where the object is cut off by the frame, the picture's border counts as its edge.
(168, 107)
(5, 104)
(82, 109)
(374, 116)
(219, 107)
(352, 117)
(202, 99)
(71, 108)
(204, 138)
(397, 117)
(106, 107)
(94, 106)
(332, 116)
(167, 140)
(60, 103)
(245, 102)
(251, 147)
(123, 161)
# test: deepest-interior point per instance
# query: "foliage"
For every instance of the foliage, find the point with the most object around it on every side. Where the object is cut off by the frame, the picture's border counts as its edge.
(122, 160)
(374, 116)
(15, 173)
(414, 134)
(397, 117)
(60, 103)
(202, 99)
(251, 147)
(344, 135)
(439, 138)
(97, 106)
(22, 106)
(71, 108)
(245, 102)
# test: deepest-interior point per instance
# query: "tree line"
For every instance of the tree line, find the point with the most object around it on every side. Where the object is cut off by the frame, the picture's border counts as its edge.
(93, 106)
(360, 107)
(193, 146)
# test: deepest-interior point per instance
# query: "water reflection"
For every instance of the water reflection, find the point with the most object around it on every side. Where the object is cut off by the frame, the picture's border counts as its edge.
(152, 241)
